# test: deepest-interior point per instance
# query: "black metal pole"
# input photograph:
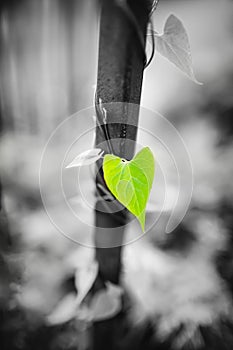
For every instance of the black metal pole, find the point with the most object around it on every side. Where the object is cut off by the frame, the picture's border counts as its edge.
(121, 62)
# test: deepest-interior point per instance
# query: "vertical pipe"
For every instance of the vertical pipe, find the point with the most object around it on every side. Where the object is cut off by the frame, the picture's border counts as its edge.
(120, 74)
(121, 62)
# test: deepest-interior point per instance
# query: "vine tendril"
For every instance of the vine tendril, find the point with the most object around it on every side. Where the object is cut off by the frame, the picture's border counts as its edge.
(154, 6)
(126, 9)
(103, 125)
(153, 43)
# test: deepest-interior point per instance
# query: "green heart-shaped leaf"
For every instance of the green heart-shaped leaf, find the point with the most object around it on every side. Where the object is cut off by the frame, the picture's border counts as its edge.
(131, 181)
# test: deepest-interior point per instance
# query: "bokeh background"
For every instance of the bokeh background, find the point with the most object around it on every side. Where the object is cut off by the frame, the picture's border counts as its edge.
(48, 72)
